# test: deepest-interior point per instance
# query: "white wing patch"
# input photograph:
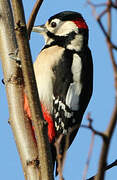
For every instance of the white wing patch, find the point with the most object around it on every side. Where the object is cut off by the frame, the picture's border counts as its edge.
(72, 97)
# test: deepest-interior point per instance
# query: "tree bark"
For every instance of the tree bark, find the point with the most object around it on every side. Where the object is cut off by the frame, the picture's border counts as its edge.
(40, 128)
(21, 126)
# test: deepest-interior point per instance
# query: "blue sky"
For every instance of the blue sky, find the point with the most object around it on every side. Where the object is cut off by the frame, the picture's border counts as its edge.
(100, 106)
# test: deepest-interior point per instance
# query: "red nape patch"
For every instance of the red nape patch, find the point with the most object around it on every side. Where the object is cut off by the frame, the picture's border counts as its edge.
(81, 24)
(46, 115)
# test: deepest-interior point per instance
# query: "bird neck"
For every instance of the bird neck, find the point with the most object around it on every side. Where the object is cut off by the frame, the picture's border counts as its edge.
(71, 41)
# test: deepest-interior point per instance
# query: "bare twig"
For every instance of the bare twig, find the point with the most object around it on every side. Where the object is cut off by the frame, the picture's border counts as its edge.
(59, 156)
(98, 18)
(89, 156)
(105, 33)
(113, 64)
(110, 47)
(93, 6)
(96, 5)
(112, 124)
(90, 126)
(109, 20)
(33, 15)
(106, 168)
(111, 165)
(114, 5)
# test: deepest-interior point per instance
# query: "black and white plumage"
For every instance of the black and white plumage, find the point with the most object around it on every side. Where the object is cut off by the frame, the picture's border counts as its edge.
(64, 73)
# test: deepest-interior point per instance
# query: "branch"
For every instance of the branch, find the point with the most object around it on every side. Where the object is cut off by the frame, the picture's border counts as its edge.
(98, 18)
(106, 144)
(114, 5)
(59, 156)
(112, 124)
(106, 168)
(21, 126)
(89, 156)
(113, 121)
(40, 128)
(90, 126)
(33, 15)
(96, 5)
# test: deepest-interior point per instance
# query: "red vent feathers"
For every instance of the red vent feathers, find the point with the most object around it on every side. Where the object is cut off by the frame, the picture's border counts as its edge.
(46, 115)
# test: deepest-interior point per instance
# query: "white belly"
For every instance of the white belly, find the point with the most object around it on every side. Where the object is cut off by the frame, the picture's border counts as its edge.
(44, 74)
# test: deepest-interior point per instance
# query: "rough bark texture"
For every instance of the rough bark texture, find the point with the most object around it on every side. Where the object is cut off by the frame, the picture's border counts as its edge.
(40, 128)
(21, 126)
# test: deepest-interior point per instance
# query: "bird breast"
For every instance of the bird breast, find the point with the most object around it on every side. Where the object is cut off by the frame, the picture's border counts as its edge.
(44, 74)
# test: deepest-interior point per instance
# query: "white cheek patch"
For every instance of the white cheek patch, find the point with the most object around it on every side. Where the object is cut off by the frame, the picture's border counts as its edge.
(74, 91)
(66, 27)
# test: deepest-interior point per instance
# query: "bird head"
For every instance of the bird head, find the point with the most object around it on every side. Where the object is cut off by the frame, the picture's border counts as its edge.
(67, 29)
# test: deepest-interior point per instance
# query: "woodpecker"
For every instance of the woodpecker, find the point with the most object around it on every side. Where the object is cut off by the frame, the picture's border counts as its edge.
(64, 75)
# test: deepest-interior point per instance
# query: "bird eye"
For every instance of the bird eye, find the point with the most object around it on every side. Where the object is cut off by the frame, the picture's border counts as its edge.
(53, 24)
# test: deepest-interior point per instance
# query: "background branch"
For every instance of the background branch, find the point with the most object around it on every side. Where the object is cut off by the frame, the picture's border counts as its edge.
(59, 156)
(90, 126)
(89, 156)
(111, 46)
(33, 15)
(105, 146)
(106, 168)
